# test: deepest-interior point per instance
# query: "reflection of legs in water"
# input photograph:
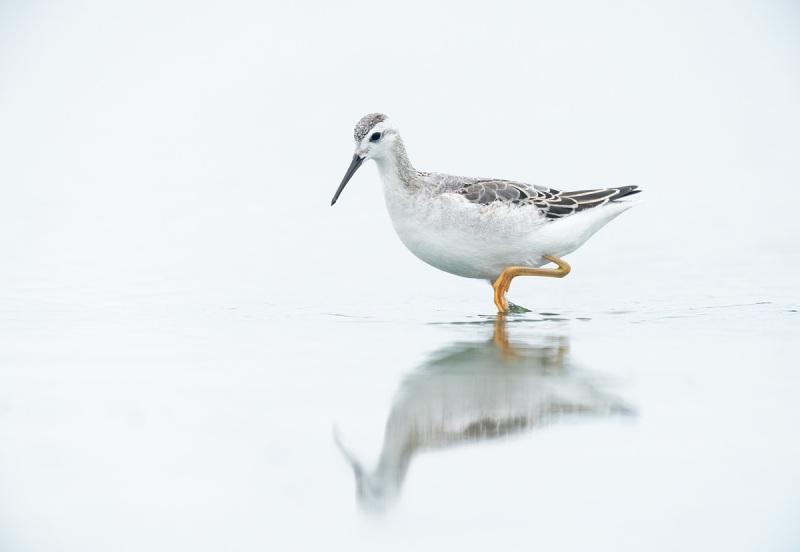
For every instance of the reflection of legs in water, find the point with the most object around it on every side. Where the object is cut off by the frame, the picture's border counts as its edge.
(552, 356)
(503, 281)
(500, 337)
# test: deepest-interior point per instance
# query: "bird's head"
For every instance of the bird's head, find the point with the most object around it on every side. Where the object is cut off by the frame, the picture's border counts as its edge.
(375, 136)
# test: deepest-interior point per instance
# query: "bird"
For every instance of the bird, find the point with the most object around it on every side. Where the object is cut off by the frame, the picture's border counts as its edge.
(484, 228)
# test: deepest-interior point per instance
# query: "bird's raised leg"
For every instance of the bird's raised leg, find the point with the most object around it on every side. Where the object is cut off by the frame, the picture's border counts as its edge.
(503, 281)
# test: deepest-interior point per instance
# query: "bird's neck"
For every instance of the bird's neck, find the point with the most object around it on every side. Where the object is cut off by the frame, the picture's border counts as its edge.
(397, 168)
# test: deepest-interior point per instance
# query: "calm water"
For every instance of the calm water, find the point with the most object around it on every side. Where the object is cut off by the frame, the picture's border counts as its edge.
(185, 421)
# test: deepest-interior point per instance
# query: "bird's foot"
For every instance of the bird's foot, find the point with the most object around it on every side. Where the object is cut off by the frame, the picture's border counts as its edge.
(516, 309)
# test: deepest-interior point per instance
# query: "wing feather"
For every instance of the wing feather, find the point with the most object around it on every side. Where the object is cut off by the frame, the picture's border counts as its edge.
(553, 204)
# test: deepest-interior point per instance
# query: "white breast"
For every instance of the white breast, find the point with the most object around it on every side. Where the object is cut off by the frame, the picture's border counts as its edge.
(456, 236)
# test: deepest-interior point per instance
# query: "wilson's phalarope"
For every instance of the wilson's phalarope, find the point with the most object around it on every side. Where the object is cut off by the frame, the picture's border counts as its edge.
(480, 227)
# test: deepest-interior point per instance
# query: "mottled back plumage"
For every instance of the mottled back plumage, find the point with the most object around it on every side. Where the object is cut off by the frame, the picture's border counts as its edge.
(554, 204)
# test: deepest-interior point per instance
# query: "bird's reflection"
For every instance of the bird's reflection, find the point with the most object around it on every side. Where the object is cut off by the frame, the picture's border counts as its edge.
(473, 392)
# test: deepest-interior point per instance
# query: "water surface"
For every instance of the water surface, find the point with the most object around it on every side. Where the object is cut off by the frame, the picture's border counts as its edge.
(183, 424)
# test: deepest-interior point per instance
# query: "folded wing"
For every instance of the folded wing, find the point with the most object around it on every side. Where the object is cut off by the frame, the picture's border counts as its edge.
(554, 204)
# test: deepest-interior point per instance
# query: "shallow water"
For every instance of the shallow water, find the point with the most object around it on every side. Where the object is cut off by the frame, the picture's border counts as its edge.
(193, 422)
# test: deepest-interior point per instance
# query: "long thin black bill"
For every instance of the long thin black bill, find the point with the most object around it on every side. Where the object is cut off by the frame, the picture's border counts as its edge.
(351, 170)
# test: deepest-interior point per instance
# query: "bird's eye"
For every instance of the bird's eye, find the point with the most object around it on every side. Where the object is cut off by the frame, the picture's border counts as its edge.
(375, 137)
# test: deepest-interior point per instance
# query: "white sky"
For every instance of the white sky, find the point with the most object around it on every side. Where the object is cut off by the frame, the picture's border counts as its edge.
(154, 127)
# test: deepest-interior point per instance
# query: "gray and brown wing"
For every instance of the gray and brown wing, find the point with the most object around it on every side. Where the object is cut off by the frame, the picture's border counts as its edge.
(552, 203)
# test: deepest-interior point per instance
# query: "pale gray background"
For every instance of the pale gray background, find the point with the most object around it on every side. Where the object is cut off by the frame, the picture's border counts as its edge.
(183, 317)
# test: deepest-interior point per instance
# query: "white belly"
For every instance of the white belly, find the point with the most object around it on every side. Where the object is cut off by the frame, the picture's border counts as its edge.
(469, 240)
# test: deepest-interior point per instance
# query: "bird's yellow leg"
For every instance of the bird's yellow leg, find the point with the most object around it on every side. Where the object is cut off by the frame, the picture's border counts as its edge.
(503, 281)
